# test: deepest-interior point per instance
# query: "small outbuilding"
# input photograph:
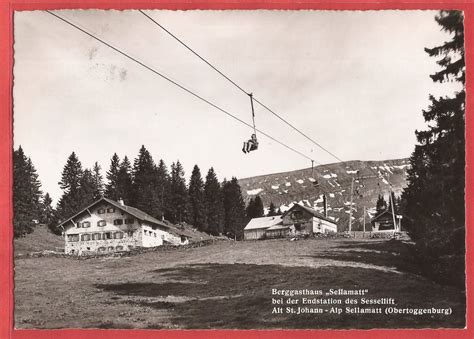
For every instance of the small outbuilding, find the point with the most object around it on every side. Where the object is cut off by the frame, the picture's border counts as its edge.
(383, 222)
(257, 228)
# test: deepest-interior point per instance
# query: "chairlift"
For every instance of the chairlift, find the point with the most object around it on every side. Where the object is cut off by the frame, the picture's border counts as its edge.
(252, 143)
(315, 182)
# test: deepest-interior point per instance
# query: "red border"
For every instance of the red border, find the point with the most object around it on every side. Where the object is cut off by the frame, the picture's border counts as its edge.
(6, 136)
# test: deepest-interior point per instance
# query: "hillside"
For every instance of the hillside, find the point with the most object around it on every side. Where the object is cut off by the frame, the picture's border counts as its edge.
(284, 189)
(41, 239)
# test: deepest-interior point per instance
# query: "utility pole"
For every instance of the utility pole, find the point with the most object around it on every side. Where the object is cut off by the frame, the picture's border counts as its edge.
(393, 209)
(350, 207)
(363, 234)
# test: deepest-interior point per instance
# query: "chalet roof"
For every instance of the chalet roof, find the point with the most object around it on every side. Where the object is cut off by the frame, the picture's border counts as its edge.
(311, 211)
(277, 227)
(263, 222)
(140, 215)
(380, 215)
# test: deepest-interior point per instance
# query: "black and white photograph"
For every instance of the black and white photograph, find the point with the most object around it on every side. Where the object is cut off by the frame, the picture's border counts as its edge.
(239, 169)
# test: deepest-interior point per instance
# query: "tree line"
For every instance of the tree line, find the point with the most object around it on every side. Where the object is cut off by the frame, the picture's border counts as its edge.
(433, 203)
(209, 205)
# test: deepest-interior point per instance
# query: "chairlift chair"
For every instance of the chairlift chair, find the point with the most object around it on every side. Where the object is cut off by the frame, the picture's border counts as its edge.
(252, 143)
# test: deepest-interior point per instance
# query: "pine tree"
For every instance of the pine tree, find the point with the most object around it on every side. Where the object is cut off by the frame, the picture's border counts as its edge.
(98, 181)
(47, 210)
(87, 189)
(433, 202)
(178, 193)
(71, 200)
(271, 210)
(258, 207)
(164, 203)
(124, 184)
(145, 193)
(213, 204)
(112, 178)
(197, 211)
(255, 208)
(381, 205)
(234, 209)
(26, 194)
(250, 209)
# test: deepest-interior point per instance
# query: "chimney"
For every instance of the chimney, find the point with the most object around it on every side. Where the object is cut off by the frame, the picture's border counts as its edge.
(121, 202)
(325, 204)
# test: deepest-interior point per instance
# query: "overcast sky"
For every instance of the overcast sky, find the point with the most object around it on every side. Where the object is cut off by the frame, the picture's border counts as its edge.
(354, 81)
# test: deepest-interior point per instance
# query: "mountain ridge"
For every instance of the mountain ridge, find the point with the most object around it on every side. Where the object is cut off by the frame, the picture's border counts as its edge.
(307, 186)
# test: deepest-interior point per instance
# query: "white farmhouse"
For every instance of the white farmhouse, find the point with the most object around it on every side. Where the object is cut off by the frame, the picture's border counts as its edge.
(110, 226)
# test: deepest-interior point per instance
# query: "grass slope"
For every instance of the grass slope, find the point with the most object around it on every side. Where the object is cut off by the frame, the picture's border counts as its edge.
(41, 239)
(227, 285)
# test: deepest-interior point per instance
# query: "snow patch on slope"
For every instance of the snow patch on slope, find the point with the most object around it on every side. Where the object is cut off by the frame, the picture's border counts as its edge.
(254, 191)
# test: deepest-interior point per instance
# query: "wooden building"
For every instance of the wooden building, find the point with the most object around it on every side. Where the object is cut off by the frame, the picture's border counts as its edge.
(303, 220)
(110, 226)
(383, 222)
(298, 220)
(257, 228)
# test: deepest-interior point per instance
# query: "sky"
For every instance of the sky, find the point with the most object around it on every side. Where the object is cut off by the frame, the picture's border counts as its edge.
(354, 81)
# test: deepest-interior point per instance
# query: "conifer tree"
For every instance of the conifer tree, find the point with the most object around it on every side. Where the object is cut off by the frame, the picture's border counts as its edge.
(124, 185)
(162, 190)
(258, 207)
(197, 211)
(381, 205)
(250, 209)
(145, 194)
(271, 210)
(47, 214)
(112, 176)
(433, 202)
(87, 189)
(234, 209)
(98, 182)
(71, 199)
(178, 193)
(213, 204)
(26, 194)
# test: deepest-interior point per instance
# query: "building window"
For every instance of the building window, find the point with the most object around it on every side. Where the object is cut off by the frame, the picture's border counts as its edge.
(118, 222)
(130, 233)
(101, 210)
(73, 237)
(154, 234)
(110, 210)
(85, 237)
(101, 223)
(110, 248)
(118, 235)
(129, 221)
(86, 224)
(107, 236)
(96, 236)
(101, 249)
